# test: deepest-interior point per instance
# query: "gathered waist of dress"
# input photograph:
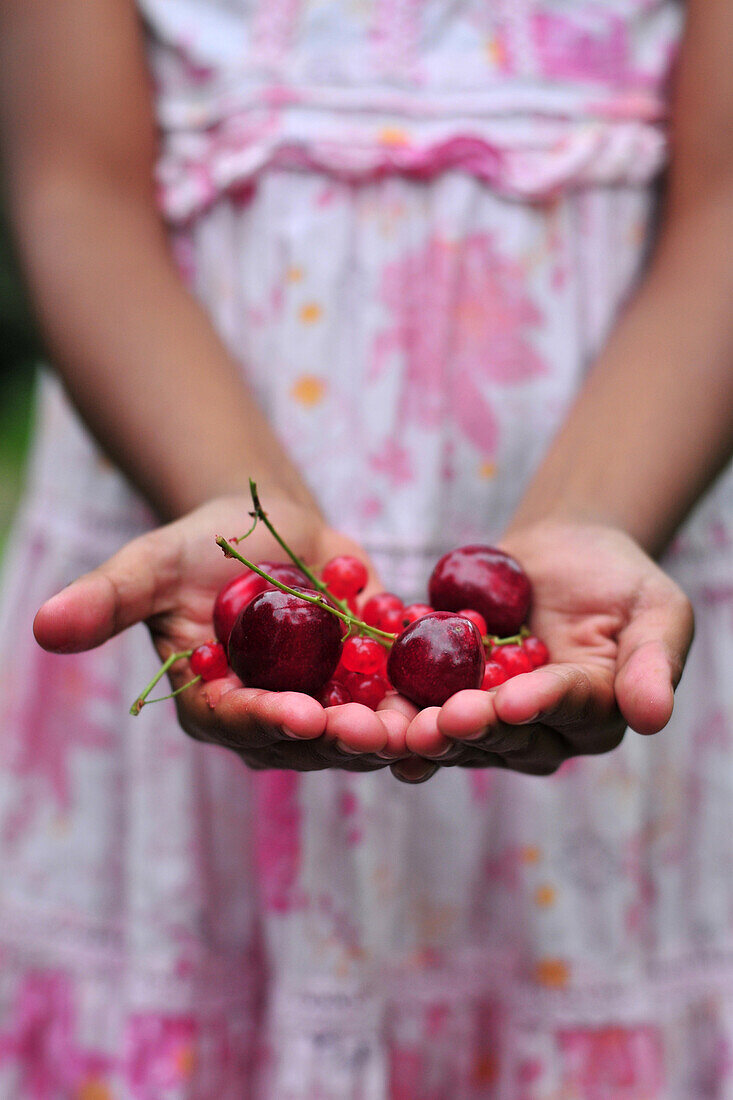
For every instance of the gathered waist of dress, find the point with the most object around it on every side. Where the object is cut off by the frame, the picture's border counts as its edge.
(525, 141)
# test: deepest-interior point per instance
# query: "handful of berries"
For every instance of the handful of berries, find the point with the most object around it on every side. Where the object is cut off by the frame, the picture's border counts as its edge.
(283, 628)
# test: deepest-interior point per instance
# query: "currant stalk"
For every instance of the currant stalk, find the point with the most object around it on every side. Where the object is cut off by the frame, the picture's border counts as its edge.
(142, 699)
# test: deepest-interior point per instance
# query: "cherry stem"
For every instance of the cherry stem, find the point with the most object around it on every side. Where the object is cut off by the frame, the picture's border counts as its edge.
(141, 700)
(379, 635)
(260, 513)
(513, 639)
(246, 534)
(172, 694)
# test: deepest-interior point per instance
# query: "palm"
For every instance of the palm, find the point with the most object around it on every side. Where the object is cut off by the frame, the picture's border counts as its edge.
(617, 629)
(599, 601)
(170, 578)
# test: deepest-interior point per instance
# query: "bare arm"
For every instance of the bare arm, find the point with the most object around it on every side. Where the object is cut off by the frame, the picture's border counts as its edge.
(136, 351)
(149, 376)
(650, 430)
(654, 422)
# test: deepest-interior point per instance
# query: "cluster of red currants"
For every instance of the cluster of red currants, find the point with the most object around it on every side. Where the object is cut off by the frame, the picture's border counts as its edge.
(313, 635)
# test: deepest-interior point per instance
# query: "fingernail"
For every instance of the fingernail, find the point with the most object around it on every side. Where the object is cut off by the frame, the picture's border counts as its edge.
(479, 736)
(414, 771)
(443, 752)
(530, 720)
(346, 749)
(287, 732)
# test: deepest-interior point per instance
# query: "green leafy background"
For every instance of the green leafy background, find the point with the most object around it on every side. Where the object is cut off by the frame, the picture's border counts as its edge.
(19, 354)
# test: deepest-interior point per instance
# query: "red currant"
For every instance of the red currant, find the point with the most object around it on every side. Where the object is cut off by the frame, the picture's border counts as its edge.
(494, 675)
(384, 611)
(344, 576)
(536, 650)
(512, 659)
(209, 661)
(476, 618)
(415, 611)
(362, 655)
(392, 621)
(369, 690)
(333, 694)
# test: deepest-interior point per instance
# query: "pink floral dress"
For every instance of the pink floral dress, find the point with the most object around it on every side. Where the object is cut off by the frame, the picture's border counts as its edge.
(413, 221)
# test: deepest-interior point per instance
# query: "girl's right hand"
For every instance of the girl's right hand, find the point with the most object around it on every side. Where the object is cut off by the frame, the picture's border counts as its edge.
(169, 579)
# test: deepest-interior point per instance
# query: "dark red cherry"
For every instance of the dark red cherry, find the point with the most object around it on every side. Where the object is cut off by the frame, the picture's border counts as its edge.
(232, 598)
(435, 657)
(237, 593)
(487, 580)
(282, 643)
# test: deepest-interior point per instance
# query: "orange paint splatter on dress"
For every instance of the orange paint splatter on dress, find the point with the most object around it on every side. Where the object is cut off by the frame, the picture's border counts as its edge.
(310, 313)
(553, 973)
(308, 390)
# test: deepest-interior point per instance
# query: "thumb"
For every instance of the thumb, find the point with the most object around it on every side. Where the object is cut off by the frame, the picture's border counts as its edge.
(128, 588)
(652, 653)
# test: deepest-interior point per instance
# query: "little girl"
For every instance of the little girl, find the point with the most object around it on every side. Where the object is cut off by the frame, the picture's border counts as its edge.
(368, 258)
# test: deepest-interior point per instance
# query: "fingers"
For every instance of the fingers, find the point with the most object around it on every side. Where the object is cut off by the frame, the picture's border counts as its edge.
(470, 718)
(534, 721)
(288, 730)
(396, 724)
(424, 738)
(248, 718)
(127, 589)
(355, 728)
(577, 700)
(413, 770)
(652, 653)
(398, 703)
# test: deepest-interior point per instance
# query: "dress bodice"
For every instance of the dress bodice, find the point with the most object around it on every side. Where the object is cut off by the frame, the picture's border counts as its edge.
(531, 95)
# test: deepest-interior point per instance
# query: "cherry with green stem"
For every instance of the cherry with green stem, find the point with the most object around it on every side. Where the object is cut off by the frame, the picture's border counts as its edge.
(341, 609)
(259, 514)
(320, 597)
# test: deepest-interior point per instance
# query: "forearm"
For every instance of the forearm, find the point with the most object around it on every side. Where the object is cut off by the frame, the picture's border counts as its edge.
(653, 424)
(137, 353)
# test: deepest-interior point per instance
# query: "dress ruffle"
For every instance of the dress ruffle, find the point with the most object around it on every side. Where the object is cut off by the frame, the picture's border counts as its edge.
(523, 158)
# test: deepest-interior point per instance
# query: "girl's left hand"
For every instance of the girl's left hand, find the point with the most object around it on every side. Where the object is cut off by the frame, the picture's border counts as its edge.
(618, 630)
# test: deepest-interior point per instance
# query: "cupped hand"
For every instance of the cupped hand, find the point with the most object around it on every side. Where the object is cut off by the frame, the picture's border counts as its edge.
(618, 630)
(169, 579)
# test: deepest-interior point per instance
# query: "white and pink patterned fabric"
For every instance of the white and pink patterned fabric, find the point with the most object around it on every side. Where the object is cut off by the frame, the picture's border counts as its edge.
(413, 223)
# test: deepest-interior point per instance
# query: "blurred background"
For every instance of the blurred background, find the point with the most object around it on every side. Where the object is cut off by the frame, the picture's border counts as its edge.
(18, 356)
